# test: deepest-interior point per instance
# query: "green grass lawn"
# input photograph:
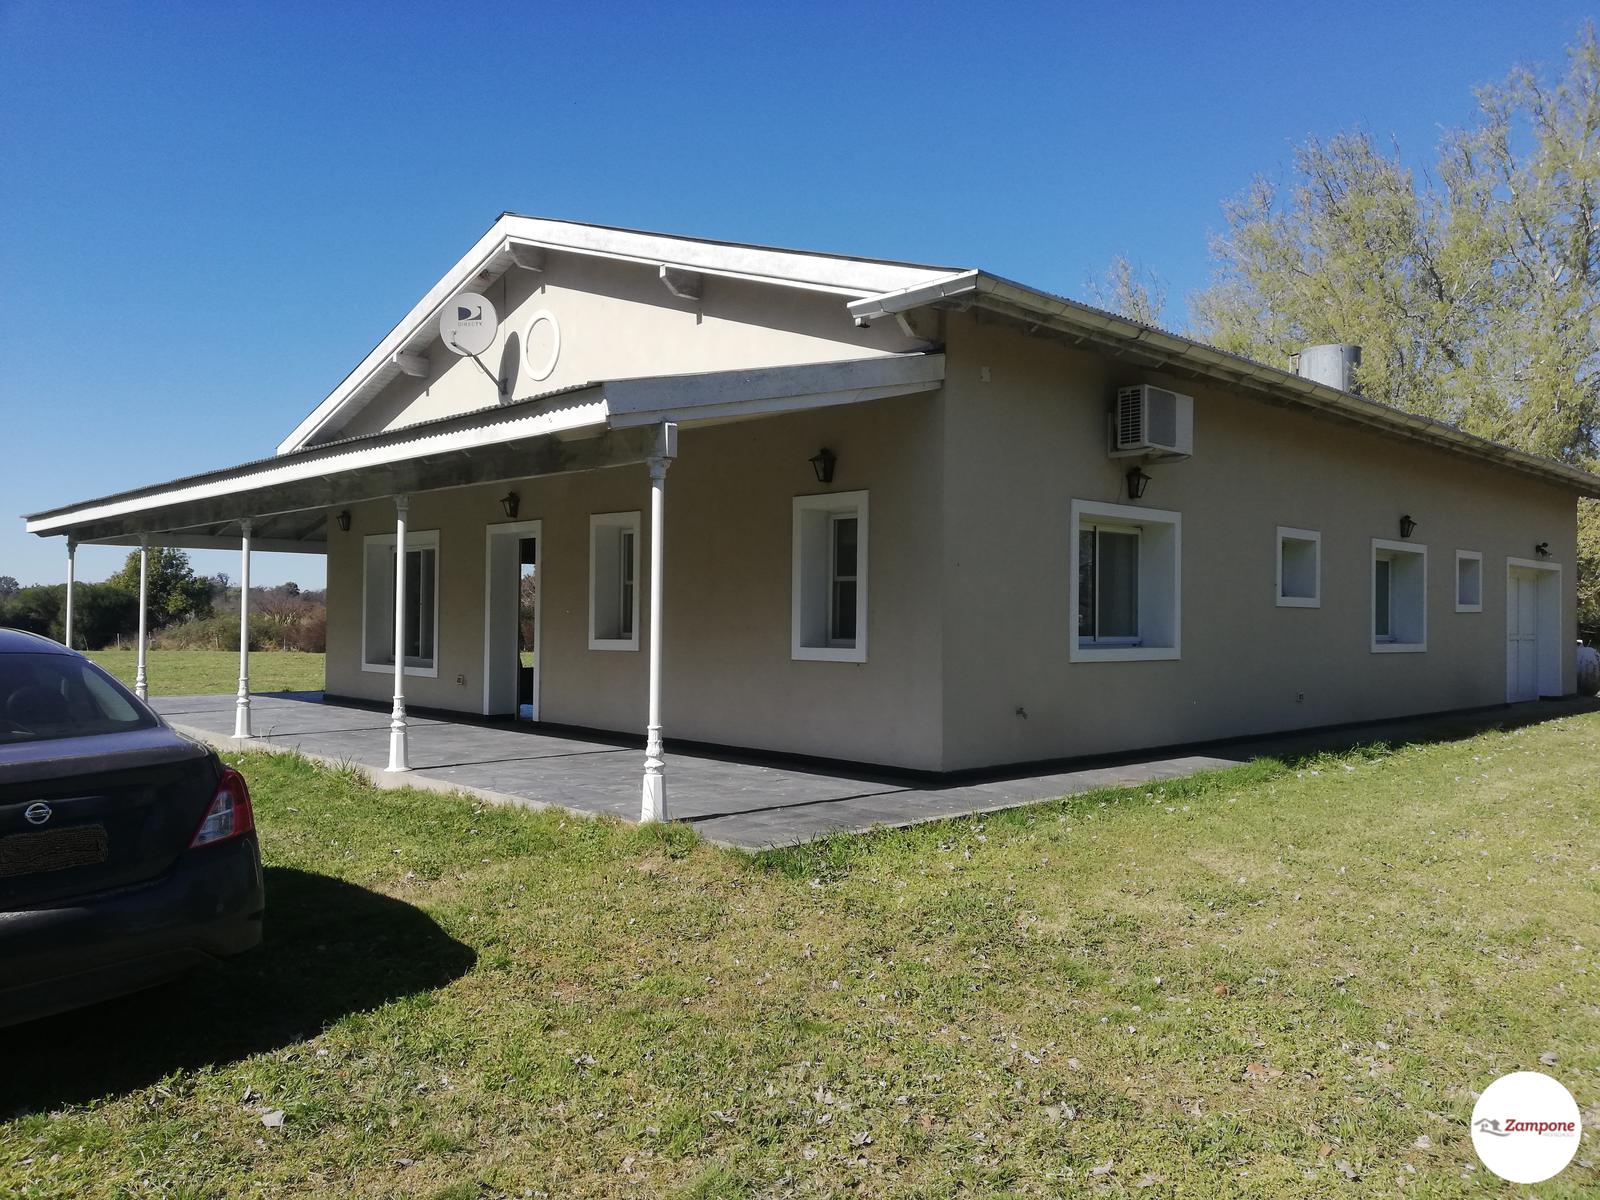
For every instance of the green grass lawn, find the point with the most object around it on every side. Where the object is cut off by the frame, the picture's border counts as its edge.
(198, 672)
(1275, 981)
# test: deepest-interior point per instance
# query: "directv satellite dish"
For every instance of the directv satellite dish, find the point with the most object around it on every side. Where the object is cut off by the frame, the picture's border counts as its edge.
(468, 324)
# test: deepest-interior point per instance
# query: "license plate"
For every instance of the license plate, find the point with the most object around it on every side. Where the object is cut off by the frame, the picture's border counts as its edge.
(52, 850)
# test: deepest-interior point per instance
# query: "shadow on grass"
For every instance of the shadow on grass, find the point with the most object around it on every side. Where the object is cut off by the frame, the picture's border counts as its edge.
(329, 949)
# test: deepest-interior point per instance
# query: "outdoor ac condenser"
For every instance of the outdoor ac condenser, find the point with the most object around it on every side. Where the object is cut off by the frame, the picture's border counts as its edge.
(1151, 422)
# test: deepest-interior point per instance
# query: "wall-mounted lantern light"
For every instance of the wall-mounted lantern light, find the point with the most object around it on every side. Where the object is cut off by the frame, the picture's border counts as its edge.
(1137, 482)
(511, 502)
(1407, 526)
(1542, 549)
(822, 463)
(344, 521)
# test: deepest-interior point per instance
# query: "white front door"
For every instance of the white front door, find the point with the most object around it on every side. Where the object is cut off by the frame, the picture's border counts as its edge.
(1522, 635)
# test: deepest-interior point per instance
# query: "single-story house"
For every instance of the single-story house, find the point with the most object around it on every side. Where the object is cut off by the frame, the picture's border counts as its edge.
(889, 513)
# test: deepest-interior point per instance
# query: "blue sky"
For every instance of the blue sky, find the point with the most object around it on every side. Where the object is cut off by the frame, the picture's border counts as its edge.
(209, 213)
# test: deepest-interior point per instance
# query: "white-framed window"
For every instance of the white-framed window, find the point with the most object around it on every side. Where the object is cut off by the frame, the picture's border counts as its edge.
(1469, 581)
(829, 585)
(1399, 597)
(1299, 568)
(422, 603)
(614, 581)
(1125, 586)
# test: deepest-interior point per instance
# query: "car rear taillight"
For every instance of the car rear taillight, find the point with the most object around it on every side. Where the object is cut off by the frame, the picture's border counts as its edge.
(229, 815)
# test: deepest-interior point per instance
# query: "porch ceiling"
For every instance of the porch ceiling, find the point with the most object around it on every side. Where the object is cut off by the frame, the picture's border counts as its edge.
(289, 497)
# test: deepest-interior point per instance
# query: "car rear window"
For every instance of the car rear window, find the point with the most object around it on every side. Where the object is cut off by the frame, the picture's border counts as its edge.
(45, 696)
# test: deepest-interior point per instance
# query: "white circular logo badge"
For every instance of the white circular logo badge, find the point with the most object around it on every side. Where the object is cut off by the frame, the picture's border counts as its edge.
(1525, 1127)
(468, 324)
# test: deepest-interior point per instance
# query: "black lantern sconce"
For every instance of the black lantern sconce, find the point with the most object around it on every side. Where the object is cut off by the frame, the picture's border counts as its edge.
(822, 462)
(1137, 482)
(1407, 526)
(511, 503)
(344, 521)
(1542, 549)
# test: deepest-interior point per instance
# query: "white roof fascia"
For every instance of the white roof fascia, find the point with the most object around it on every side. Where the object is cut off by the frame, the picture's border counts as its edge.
(836, 275)
(356, 456)
(584, 411)
(861, 276)
(978, 287)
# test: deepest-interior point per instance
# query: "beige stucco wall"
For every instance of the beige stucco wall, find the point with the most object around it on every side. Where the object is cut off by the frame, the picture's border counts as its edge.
(970, 571)
(1019, 448)
(618, 321)
(728, 673)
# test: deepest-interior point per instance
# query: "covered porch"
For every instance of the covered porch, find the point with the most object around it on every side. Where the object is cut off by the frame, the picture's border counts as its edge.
(302, 500)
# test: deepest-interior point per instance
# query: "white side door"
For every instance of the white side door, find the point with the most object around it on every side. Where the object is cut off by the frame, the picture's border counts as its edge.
(1522, 635)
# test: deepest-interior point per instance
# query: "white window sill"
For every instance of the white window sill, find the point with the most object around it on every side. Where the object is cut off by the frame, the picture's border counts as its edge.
(1122, 653)
(613, 643)
(855, 654)
(388, 669)
(1478, 608)
(1299, 602)
(1399, 647)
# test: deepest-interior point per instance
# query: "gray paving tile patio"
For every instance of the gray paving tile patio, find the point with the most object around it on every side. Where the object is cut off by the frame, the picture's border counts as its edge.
(747, 803)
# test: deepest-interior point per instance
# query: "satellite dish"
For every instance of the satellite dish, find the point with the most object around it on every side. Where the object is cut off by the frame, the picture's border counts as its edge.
(468, 324)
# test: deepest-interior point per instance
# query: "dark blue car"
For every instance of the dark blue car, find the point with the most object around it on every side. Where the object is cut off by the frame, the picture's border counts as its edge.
(128, 853)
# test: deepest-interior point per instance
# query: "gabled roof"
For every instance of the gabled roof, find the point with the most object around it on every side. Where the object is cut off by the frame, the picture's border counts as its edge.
(884, 288)
(515, 240)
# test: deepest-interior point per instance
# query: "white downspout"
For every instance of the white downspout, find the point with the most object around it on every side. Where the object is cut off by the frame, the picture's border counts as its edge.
(241, 708)
(653, 801)
(399, 751)
(72, 574)
(141, 687)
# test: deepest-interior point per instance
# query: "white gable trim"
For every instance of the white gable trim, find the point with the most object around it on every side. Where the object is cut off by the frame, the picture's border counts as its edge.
(509, 241)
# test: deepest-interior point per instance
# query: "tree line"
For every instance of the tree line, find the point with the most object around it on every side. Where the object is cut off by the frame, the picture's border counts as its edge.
(183, 609)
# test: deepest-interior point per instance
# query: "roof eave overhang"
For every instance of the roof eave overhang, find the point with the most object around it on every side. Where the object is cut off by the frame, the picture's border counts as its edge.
(582, 428)
(1035, 311)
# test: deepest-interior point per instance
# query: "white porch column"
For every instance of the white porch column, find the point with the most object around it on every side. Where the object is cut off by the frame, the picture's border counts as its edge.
(399, 752)
(653, 801)
(140, 685)
(72, 573)
(241, 707)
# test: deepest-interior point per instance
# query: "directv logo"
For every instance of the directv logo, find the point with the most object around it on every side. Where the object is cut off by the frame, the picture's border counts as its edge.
(467, 314)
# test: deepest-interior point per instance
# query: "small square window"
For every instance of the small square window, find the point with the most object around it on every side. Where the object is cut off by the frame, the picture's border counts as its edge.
(613, 581)
(829, 600)
(1299, 568)
(1399, 597)
(1469, 581)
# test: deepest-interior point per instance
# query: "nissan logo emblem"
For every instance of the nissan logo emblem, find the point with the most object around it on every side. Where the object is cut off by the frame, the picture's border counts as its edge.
(37, 813)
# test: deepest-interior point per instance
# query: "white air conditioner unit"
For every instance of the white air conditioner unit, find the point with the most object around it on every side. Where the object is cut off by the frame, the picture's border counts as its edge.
(1151, 422)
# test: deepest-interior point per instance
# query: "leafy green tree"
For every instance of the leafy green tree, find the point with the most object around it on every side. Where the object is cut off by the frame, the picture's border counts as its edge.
(101, 613)
(38, 609)
(1131, 292)
(8, 586)
(175, 592)
(1474, 291)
